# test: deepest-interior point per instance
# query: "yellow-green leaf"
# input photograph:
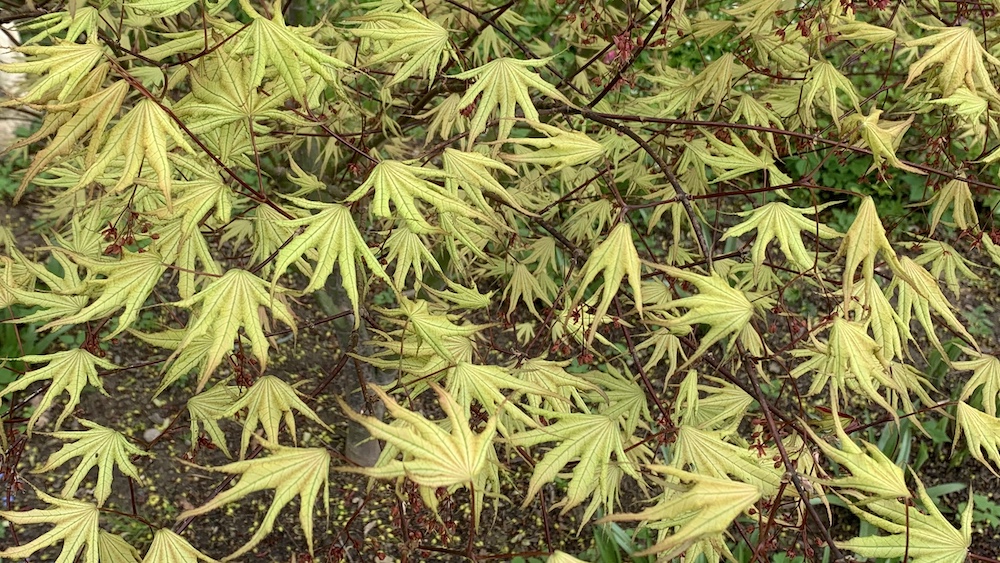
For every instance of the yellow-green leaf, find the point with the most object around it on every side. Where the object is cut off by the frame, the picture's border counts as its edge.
(334, 236)
(97, 446)
(616, 258)
(287, 50)
(962, 57)
(168, 547)
(924, 535)
(724, 308)
(226, 305)
(140, 137)
(433, 456)
(504, 84)
(112, 548)
(291, 472)
(777, 220)
(703, 509)
(417, 43)
(70, 371)
(269, 400)
(128, 283)
(75, 525)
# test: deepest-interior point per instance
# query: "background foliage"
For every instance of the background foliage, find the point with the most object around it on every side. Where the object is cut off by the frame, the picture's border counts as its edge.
(697, 275)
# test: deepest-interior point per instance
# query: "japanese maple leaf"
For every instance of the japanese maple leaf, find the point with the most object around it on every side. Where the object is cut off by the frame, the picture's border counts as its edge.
(69, 371)
(504, 84)
(923, 535)
(128, 283)
(142, 137)
(962, 57)
(417, 43)
(883, 138)
(864, 240)
(335, 237)
(870, 470)
(287, 50)
(777, 220)
(402, 184)
(433, 455)
(725, 309)
(595, 442)
(75, 525)
(168, 547)
(701, 509)
(112, 548)
(66, 66)
(558, 149)
(75, 121)
(616, 257)
(291, 472)
(226, 305)
(97, 446)
(269, 401)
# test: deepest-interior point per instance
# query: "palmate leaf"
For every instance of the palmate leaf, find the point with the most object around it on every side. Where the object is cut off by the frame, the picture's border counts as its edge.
(98, 446)
(269, 401)
(128, 284)
(168, 547)
(222, 94)
(706, 453)
(75, 525)
(872, 473)
(226, 305)
(777, 220)
(207, 408)
(333, 234)
(862, 243)
(824, 80)
(557, 150)
(702, 510)
(291, 472)
(725, 309)
(409, 252)
(194, 356)
(402, 184)
(733, 161)
(961, 55)
(140, 137)
(433, 457)
(70, 371)
(93, 113)
(432, 330)
(981, 434)
(883, 138)
(616, 258)
(419, 44)
(985, 373)
(112, 548)
(917, 295)
(471, 172)
(84, 20)
(957, 195)
(851, 361)
(597, 445)
(945, 261)
(504, 84)
(271, 43)
(66, 66)
(924, 535)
